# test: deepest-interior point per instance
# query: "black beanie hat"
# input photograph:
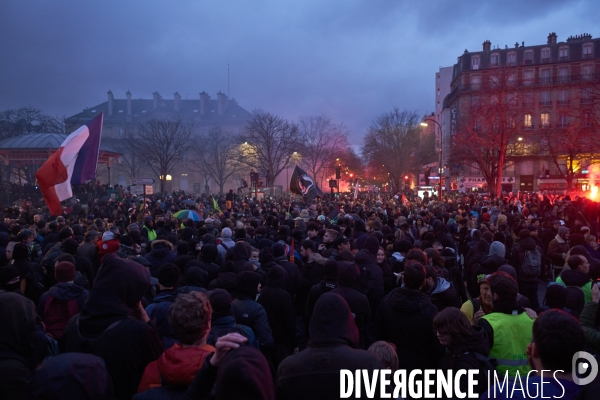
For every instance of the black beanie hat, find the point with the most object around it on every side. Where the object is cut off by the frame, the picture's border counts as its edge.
(168, 275)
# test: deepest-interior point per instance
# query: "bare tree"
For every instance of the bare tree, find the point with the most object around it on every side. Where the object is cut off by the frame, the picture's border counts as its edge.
(163, 144)
(487, 134)
(268, 142)
(570, 140)
(392, 141)
(218, 155)
(25, 120)
(132, 160)
(322, 143)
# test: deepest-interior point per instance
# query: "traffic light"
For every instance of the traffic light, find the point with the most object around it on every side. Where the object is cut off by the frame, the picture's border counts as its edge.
(338, 172)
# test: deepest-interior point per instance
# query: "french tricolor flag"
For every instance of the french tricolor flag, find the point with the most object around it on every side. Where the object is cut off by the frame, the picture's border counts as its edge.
(74, 162)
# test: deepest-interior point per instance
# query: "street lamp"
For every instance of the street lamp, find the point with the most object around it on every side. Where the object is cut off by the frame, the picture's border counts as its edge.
(440, 167)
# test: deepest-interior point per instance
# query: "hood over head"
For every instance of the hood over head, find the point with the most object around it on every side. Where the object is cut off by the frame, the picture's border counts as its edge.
(276, 277)
(241, 251)
(244, 374)
(209, 253)
(332, 319)
(72, 376)
(562, 232)
(348, 274)
(18, 315)
(195, 276)
(497, 249)
(247, 284)
(119, 286)
(330, 270)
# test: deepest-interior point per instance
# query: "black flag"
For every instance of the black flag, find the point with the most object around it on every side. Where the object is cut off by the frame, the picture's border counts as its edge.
(303, 184)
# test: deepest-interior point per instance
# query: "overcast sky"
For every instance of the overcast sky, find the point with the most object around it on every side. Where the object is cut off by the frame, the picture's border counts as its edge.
(351, 60)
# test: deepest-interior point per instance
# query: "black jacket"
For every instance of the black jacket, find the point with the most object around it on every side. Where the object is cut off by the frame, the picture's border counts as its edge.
(405, 318)
(130, 344)
(371, 278)
(314, 373)
(518, 254)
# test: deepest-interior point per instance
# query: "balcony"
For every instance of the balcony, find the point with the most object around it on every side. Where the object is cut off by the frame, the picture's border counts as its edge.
(587, 56)
(563, 79)
(563, 102)
(545, 103)
(563, 58)
(545, 60)
(528, 62)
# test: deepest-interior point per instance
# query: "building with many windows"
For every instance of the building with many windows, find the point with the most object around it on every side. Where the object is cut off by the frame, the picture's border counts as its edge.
(203, 112)
(549, 88)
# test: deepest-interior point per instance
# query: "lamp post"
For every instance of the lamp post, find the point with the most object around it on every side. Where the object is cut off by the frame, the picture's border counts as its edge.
(441, 166)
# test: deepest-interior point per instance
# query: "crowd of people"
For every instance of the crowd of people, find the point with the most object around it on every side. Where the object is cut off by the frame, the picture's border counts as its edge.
(264, 299)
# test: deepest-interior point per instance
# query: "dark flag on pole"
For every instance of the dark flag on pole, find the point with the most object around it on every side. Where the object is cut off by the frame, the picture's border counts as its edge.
(302, 183)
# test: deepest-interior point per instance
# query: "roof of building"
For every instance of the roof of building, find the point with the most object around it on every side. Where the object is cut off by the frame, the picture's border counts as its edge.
(43, 141)
(142, 108)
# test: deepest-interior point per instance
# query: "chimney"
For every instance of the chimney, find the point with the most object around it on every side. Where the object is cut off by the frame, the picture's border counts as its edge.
(177, 102)
(128, 103)
(221, 103)
(204, 103)
(156, 97)
(552, 38)
(487, 45)
(110, 103)
(516, 45)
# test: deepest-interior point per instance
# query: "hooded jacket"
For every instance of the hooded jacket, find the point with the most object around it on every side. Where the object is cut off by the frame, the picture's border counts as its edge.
(405, 318)
(161, 253)
(328, 283)
(280, 313)
(518, 255)
(250, 313)
(63, 291)
(17, 314)
(176, 367)
(495, 258)
(443, 295)
(314, 373)
(294, 280)
(348, 281)
(371, 278)
(462, 356)
(130, 344)
(558, 247)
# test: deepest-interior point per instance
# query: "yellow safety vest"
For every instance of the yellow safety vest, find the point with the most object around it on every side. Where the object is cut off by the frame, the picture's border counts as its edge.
(512, 335)
(151, 234)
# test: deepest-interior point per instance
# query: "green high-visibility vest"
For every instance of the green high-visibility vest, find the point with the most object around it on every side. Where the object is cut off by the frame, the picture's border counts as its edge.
(151, 234)
(586, 289)
(512, 335)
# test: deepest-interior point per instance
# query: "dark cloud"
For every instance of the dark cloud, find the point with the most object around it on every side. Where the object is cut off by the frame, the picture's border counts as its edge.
(349, 59)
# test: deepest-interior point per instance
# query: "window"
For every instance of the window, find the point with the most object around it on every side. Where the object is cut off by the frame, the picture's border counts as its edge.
(588, 49)
(563, 53)
(528, 100)
(545, 120)
(527, 122)
(528, 57)
(495, 60)
(587, 71)
(545, 99)
(587, 117)
(528, 77)
(545, 76)
(546, 55)
(587, 95)
(511, 58)
(475, 81)
(563, 120)
(563, 97)
(475, 62)
(563, 74)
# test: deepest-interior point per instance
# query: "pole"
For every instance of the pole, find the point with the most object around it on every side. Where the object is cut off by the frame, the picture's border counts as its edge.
(441, 166)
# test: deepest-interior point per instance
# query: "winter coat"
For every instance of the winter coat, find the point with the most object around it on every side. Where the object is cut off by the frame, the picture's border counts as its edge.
(250, 313)
(311, 274)
(158, 312)
(371, 278)
(462, 356)
(161, 254)
(347, 288)
(405, 318)
(558, 246)
(294, 279)
(177, 367)
(63, 291)
(314, 373)
(519, 250)
(130, 344)
(443, 295)
(18, 322)
(280, 314)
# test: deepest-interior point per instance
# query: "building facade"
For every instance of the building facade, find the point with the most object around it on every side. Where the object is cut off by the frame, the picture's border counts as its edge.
(548, 83)
(203, 112)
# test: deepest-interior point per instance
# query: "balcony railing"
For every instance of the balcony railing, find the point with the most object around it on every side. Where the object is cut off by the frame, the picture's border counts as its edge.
(545, 60)
(528, 62)
(545, 103)
(563, 58)
(586, 56)
(564, 102)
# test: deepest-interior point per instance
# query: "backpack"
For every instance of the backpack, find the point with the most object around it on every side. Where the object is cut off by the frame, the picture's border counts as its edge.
(35, 288)
(56, 315)
(532, 263)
